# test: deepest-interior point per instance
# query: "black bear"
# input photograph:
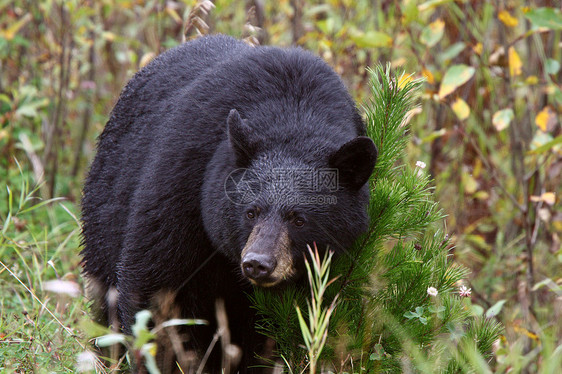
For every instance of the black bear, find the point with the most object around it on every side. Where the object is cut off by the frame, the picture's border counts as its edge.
(219, 164)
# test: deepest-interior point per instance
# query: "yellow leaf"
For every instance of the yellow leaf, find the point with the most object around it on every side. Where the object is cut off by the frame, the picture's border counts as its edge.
(437, 25)
(544, 117)
(404, 79)
(455, 76)
(146, 58)
(461, 109)
(432, 33)
(507, 19)
(547, 197)
(477, 168)
(481, 195)
(532, 79)
(515, 63)
(429, 76)
(477, 48)
(11, 31)
(469, 183)
(526, 332)
(108, 35)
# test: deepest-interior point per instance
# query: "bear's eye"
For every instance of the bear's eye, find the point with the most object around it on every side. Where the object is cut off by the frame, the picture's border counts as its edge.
(299, 222)
(251, 214)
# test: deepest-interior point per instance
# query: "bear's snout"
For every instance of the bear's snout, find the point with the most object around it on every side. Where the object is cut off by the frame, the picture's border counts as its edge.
(258, 267)
(266, 258)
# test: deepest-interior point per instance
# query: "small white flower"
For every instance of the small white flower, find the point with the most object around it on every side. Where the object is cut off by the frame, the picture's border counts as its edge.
(420, 164)
(464, 291)
(432, 291)
(86, 361)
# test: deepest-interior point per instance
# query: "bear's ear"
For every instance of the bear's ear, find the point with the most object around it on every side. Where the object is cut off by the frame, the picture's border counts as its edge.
(242, 141)
(355, 161)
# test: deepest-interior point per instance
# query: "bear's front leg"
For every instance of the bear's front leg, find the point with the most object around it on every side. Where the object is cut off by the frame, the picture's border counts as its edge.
(132, 296)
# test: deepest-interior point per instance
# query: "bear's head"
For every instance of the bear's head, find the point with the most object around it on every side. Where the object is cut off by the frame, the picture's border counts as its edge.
(264, 203)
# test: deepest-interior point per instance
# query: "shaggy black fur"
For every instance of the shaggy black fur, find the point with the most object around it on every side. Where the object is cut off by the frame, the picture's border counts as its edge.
(156, 215)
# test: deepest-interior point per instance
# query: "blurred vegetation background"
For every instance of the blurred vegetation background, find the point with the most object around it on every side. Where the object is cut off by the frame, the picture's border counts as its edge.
(488, 128)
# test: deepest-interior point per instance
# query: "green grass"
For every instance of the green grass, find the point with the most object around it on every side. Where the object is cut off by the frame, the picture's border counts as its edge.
(39, 329)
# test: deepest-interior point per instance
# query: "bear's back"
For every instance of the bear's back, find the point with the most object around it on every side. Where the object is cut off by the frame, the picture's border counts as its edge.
(151, 87)
(123, 146)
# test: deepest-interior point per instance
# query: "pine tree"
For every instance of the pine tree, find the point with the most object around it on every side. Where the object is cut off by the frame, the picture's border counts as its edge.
(399, 305)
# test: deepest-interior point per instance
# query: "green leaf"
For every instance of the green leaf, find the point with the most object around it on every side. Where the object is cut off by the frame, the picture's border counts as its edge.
(557, 94)
(42, 203)
(110, 339)
(476, 310)
(495, 309)
(435, 310)
(432, 33)
(546, 146)
(552, 66)
(327, 26)
(410, 315)
(142, 319)
(452, 52)
(27, 111)
(456, 76)
(143, 337)
(5, 98)
(545, 17)
(410, 12)
(378, 354)
(371, 39)
(92, 328)
(304, 327)
(434, 135)
(502, 118)
(29, 108)
(186, 322)
(542, 283)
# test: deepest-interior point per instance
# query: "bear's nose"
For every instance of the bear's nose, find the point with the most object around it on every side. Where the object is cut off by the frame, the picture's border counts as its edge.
(258, 266)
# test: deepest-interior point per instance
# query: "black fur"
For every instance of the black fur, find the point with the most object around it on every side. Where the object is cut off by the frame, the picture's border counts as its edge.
(155, 212)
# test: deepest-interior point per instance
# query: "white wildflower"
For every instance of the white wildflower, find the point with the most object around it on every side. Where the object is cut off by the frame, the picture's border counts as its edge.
(464, 291)
(421, 164)
(432, 291)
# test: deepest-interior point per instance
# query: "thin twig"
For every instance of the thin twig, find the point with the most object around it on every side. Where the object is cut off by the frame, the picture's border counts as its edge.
(208, 352)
